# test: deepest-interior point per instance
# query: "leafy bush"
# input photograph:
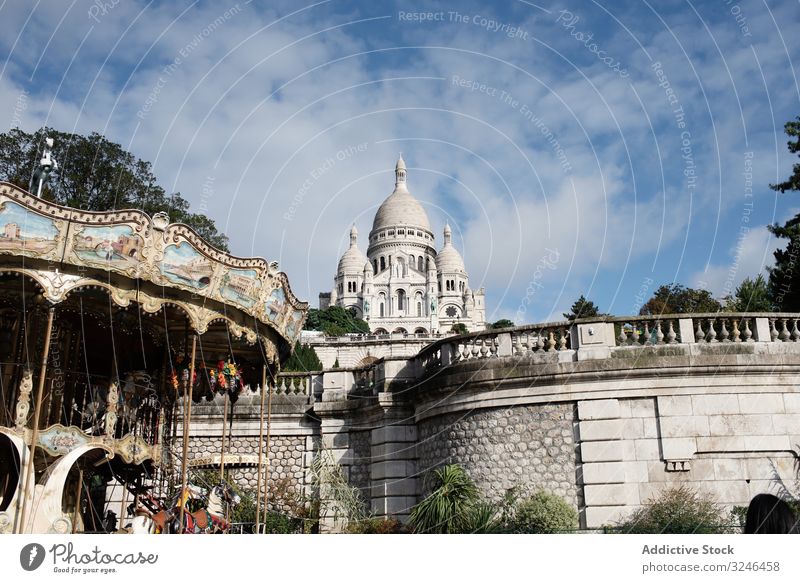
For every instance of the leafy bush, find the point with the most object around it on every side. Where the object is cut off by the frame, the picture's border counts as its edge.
(678, 510)
(543, 513)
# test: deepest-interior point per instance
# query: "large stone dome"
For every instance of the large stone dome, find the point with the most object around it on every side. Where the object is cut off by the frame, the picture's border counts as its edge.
(401, 208)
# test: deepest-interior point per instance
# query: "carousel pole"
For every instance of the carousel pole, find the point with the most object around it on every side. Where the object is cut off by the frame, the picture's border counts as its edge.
(224, 426)
(261, 446)
(77, 502)
(186, 418)
(29, 471)
(266, 447)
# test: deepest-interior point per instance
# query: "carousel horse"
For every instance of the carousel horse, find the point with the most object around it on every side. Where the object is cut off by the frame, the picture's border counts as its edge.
(152, 517)
(208, 520)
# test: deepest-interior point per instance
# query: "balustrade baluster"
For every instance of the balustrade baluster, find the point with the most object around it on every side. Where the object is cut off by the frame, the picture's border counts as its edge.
(562, 341)
(723, 333)
(747, 333)
(623, 336)
(784, 335)
(647, 339)
(712, 334)
(699, 335)
(659, 333)
(736, 334)
(795, 331)
(671, 333)
(540, 341)
(773, 333)
(551, 341)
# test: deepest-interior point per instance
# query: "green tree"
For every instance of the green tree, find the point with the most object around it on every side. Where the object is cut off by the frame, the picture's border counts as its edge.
(784, 276)
(504, 323)
(582, 308)
(459, 328)
(336, 321)
(678, 299)
(303, 359)
(98, 175)
(752, 295)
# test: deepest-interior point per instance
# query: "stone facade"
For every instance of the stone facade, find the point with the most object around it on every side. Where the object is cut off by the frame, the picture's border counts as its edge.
(604, 418)
(526, 448)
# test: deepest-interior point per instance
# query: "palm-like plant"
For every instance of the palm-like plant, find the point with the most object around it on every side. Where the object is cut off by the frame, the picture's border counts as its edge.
(449, 504)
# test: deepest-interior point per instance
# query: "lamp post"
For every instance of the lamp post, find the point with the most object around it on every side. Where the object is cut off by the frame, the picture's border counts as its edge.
(46, 165)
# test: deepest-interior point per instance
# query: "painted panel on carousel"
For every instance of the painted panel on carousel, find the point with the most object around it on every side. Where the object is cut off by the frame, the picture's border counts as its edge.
(240, 286)
(114, 247)
(60, 440)
(26, 231)
(293, 326)
(185, 265)
(276, 304)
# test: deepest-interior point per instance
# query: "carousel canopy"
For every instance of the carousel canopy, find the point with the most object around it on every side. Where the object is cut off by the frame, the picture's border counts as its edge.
(147, 260)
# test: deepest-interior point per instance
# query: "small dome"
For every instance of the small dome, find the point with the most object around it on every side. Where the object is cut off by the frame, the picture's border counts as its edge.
(401, 209)
(353, 260)
(449, 260)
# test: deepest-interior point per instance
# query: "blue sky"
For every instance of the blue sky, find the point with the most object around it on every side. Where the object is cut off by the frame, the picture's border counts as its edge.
(574, 147)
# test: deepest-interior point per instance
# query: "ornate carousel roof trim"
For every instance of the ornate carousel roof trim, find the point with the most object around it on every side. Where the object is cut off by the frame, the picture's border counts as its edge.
(136, 246)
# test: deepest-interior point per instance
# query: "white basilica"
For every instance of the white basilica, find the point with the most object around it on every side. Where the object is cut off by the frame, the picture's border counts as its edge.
(403, 284)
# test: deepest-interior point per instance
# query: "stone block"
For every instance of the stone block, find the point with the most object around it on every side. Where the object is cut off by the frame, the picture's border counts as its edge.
(649, 427)
(336, 440)
(728, 492)
(602, 451)
(720, 444)
(636, 472)
(786, 423)
(678, 405)
(393, 433)
(647, 449)
(727, 404)
(740, 425)
(403, 487)
(599, 516)
(611, 494)
(678, 448)
(686, 330)
(599, 409)
(761, 330)
(767, 443)
(392, 469)
(642, 407)
(761, 403)
(791, 402)
(600, 430)
(728, 469)
(684, 426)
(604, 472)
(394, 450)
(651, 490)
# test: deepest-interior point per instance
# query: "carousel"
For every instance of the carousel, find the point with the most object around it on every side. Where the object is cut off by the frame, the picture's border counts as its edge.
(111, 324)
